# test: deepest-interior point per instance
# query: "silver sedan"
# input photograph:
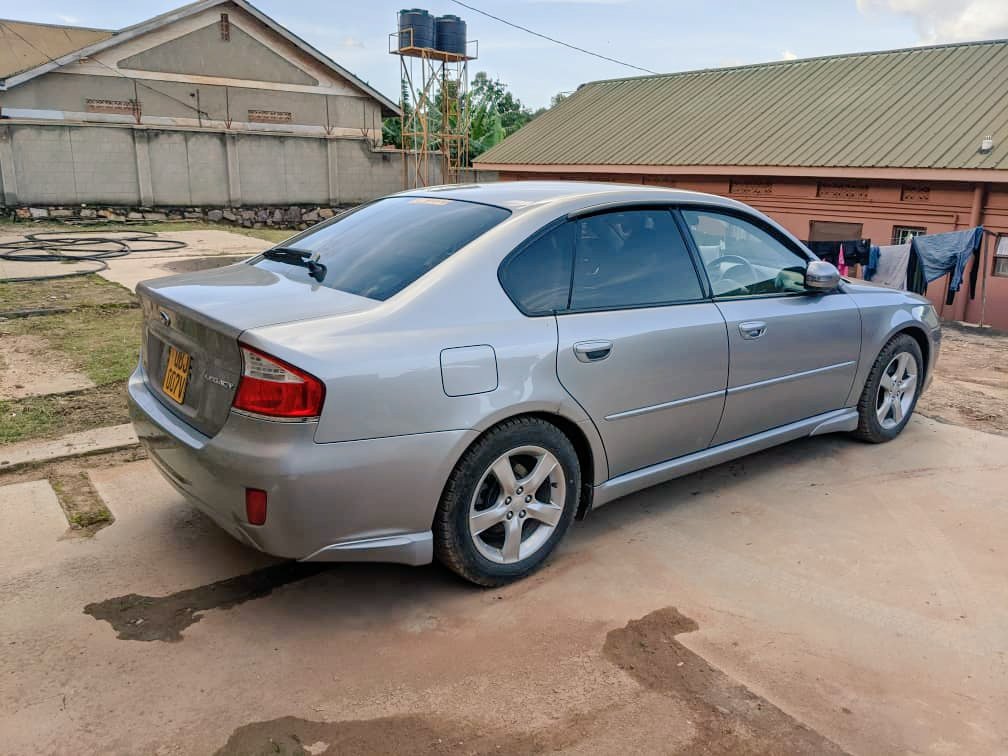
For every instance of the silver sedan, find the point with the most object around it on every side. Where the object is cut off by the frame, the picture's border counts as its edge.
(463, 371)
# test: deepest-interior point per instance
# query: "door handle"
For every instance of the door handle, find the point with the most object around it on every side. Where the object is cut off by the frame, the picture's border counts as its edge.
(752, 329)
(592, 351)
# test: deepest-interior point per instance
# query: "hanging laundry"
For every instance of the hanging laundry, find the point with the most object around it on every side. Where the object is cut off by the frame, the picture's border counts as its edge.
(871, 267)
(841, 262)
(891, 266)
(855, 251)
(948, 253)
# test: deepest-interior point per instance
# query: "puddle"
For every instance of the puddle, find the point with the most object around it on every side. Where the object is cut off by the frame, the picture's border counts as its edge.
(163, 618)
(193, 264)
(290, 736)
(729, 717)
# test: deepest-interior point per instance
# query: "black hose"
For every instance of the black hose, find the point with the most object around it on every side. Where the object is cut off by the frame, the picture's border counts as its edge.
(80, 246)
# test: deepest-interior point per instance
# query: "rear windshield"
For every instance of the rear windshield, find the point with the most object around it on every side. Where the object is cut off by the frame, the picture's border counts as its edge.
(381, 248)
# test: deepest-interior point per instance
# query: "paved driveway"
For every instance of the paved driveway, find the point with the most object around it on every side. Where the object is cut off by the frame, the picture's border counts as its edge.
(819, 597)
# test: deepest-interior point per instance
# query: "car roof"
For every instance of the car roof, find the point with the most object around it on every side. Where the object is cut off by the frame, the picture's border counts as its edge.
(523, 195)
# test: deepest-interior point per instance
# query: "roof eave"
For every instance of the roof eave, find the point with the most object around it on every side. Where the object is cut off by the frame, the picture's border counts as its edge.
(909, 173)
(389, 107)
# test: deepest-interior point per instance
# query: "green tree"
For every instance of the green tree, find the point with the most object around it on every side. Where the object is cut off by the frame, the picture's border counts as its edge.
(554, 101)
(392, 127)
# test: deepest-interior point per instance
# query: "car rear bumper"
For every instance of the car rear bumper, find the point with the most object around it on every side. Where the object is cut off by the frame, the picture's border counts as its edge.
(367, 500)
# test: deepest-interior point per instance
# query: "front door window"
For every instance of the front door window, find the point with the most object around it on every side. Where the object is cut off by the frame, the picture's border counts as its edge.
(742, 259)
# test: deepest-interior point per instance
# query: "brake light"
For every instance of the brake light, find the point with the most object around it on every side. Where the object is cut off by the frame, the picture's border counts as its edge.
(273, 388)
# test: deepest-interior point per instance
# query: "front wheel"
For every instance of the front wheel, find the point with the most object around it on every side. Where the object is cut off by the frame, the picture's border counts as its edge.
(508, 502)
(891, 391)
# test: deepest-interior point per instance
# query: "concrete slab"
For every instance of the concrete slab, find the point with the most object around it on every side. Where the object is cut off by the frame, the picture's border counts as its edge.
(30, 367)
(149, 514)
(139, 266)
(33, 524)
(856, 591)
(70, 445)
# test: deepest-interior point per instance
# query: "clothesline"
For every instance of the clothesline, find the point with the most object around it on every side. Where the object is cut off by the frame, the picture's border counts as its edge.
(913, 265)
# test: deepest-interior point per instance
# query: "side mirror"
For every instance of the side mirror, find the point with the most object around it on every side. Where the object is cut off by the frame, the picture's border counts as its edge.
(821, 276)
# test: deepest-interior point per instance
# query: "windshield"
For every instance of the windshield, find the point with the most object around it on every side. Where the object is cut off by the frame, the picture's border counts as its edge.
(381, 248)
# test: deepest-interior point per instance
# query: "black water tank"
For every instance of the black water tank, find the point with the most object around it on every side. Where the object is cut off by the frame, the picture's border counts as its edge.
(451, 35)
(422, 24)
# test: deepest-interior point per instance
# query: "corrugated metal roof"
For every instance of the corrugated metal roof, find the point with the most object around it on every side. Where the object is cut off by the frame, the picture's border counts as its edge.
(924, 107)
(24, 45)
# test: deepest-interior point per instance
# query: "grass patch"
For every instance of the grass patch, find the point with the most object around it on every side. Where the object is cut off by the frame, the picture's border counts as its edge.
(83, 507)
(55, 415)
(102, 342)
(80, 291)
(90, 519)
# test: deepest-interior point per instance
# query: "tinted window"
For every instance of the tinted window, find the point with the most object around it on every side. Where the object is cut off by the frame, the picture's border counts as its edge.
(383, 247)
(632, 258)
(538, 278)
(741, 258)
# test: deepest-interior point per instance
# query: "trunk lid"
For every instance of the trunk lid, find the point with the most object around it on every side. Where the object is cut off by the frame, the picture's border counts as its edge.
(202, 314)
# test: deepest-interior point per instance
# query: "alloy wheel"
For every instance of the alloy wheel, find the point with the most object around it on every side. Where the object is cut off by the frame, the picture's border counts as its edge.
(517, 505)
(897, 389)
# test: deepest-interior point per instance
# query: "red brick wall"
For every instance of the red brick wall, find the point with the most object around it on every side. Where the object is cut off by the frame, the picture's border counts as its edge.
(793, 202)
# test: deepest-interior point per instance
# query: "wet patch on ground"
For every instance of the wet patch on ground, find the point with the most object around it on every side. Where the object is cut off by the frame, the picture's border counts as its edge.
(193, 264)
(163, 618)
(290, 736)
(729, 718)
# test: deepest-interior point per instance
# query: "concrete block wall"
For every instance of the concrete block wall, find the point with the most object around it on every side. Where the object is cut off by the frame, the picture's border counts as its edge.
(126, 165)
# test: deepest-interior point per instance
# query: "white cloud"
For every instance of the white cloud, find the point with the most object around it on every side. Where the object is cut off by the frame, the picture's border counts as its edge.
(788, 55)
(948, 20)
(68, 19)
(351, 42)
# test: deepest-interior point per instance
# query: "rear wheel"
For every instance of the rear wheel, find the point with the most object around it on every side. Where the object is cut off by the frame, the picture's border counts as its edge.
(891, 391)
(508, 502)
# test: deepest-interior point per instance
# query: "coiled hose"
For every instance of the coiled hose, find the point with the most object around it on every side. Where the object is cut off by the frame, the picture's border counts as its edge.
(80, 247)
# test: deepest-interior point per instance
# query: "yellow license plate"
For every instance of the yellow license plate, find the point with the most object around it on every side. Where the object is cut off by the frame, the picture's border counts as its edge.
(176, 376)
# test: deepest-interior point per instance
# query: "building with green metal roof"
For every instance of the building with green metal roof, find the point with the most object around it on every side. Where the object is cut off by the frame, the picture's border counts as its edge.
(877, 145)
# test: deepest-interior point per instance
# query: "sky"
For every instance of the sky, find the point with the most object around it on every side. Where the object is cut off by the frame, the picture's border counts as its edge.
(660, 35)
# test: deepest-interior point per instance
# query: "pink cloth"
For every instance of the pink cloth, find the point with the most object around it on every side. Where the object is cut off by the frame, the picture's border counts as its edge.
(841, 263)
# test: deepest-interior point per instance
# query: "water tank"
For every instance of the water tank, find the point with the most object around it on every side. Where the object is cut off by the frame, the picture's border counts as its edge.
(450, 35)
(422, 24)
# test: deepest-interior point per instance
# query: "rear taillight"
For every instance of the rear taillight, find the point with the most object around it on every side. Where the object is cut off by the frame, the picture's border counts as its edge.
(271, 387)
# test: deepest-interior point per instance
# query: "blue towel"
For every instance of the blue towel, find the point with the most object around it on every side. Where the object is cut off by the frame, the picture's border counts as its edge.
(948, 253)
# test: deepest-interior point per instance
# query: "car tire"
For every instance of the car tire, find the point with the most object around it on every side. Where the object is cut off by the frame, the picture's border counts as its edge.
(479, 516)
(891, 391)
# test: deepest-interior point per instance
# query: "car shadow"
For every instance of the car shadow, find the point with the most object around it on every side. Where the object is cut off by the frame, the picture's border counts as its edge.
(341, 594)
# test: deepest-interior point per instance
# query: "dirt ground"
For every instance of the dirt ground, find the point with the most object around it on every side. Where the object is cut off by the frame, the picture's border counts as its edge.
(823, 597)
(970, 385)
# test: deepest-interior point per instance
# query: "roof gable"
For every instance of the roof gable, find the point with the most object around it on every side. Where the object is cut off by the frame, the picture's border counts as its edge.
(919, 107)
(131, 32)
(24, 45)
(203, 52)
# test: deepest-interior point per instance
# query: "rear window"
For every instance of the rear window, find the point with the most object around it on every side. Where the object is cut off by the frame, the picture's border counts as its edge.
(381, 248)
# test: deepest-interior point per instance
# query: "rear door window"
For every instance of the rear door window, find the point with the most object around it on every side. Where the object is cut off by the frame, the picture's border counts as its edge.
(381, 248)
(632, 258)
